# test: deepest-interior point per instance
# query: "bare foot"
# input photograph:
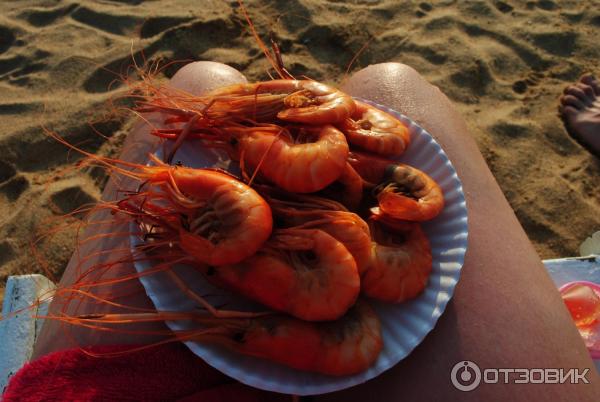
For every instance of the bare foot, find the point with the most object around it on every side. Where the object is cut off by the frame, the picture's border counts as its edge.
(580, 110)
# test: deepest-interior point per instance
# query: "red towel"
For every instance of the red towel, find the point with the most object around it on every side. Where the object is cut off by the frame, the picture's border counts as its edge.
(163, 373)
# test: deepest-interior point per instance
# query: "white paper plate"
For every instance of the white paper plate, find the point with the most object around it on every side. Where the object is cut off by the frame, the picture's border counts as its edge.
(404, 326)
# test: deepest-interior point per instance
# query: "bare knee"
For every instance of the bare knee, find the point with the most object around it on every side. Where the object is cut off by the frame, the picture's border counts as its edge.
(402, 88)
(203, 76)
(383, 79)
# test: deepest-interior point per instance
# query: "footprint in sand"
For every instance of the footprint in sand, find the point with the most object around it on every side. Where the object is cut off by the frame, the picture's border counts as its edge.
(182, 41)
(7, 252)
(41, 17)
(424, 8)
(503, 7)
(17, 68)
(532, 80)
(115, 24)
(107, 77)
(154, 26)
(6, 171)
(71, 199)
(14, 187)
(542, 4)
(7, 39)
(130, 2)
(561, 43)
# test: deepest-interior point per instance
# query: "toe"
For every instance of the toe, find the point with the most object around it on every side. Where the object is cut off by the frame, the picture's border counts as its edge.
(586, 78)
(588, 92)
(570, 100)
(568, 112)
(590, 80)
(577, 92)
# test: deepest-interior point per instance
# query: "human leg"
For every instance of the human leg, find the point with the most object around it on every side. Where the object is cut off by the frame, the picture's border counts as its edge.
(195, 78)
(506, 312)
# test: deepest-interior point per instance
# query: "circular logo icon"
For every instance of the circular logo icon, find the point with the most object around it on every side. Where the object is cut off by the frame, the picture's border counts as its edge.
(465, 376)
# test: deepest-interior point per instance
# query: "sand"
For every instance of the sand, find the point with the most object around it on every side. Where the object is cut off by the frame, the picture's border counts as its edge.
(503, 63)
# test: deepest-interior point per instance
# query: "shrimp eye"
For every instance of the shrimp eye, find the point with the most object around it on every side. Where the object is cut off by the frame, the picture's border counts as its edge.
(311, 255)
(365, 124)
(389, 172)
(238, 337)
(211, 270)
(233, 142)
(278, 221)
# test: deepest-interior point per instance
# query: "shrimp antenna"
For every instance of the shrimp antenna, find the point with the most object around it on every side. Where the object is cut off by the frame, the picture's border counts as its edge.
(273, 58)
(357, 55)
(279, 60)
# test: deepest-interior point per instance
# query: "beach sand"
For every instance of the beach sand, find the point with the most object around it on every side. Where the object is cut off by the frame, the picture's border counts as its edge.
(503, 63)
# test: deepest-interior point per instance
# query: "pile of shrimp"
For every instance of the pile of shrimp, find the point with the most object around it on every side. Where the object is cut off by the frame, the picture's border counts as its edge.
(321, 219)
(323, 195)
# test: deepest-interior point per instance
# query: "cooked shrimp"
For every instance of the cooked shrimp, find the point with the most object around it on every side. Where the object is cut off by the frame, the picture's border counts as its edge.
(300, 101)
(305, 162)
(348, 188)
(303, 101)
(232, 221)
(400, 261)
(304, 202)
(349, 229)
(375, 131)
(304, 272)
(299, 167)
(402, 191)
(349, 345)
(346, 227)
(218, 219)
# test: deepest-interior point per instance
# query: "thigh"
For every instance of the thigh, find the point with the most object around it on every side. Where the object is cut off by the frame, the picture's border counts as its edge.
(103, 252)
(506, 311)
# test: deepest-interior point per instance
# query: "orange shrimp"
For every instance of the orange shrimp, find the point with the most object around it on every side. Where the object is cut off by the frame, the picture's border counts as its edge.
(349, 229)
(305, 162)
(300, 101)
(348, 188)
(308, 163)
(346, 227)
(400, 261)
(375, 131)
(304, 272)
(402, 191)
(347, 346)
(218, 219)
